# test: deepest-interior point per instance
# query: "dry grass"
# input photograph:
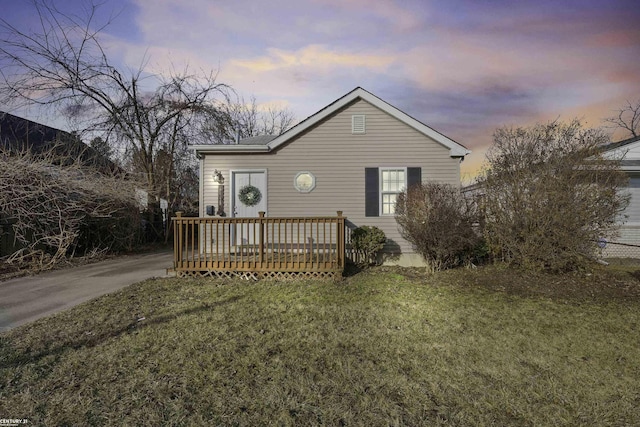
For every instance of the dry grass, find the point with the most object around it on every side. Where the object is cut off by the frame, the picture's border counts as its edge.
(384, 347)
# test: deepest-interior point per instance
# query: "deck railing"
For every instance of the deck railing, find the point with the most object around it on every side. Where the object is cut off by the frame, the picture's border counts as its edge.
(259, 245)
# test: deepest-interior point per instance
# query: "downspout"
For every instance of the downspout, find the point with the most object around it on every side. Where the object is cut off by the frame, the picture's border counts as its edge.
(201, 187)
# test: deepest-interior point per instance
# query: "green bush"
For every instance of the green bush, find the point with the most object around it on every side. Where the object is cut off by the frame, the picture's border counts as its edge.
(367, 241)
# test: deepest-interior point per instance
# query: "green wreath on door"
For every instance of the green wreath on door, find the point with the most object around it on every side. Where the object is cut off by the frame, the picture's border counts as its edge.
(249, 195)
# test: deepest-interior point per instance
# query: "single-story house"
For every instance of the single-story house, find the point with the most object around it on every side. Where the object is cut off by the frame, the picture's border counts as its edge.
(354, 155)
(628, 151)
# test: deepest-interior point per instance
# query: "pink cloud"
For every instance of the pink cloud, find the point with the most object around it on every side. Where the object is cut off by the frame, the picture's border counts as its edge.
(400, 18)
(616, 38)
(317, 56)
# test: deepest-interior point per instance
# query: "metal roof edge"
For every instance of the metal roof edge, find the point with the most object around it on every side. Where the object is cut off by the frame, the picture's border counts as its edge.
(228, 148)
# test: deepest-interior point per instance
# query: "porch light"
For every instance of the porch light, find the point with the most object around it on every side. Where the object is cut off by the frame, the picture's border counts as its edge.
(217, 177)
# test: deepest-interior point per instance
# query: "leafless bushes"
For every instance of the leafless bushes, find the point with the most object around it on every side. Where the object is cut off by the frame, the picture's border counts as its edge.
(59, 210)
(439, 222)
(549, 194)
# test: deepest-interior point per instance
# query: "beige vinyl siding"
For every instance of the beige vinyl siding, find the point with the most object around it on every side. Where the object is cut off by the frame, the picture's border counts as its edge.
(338, 160)
(633, 190)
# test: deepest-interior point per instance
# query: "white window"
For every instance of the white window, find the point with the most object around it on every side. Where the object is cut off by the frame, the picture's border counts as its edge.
(358, 123)
(392, 182)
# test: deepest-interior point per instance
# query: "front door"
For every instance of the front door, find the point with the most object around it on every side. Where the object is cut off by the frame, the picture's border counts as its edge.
(249, 198)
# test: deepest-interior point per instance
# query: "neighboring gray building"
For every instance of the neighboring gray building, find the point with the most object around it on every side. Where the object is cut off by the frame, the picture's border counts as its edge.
(629, 151)
(355, 155)
(18, 134)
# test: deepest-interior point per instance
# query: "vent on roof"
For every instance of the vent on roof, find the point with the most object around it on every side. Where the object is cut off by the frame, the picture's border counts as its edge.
(357, 123)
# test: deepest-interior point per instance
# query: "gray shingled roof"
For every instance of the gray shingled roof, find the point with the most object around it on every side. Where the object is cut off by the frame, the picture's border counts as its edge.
(17, 134)
(257, 140)
(613, 145)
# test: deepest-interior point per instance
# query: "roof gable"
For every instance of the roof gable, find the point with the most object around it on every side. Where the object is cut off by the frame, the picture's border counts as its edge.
(455, 149)
(627, 151)
(17, 133)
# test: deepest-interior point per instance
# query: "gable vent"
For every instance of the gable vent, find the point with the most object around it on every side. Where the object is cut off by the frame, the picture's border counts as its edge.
(357, 123)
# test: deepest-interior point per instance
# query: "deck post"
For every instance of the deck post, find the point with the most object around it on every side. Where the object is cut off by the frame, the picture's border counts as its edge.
(177, 240)
(341, 245)
(261, 240)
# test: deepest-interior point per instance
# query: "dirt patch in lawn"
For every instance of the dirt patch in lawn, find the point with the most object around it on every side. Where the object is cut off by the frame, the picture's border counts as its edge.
(602, 283)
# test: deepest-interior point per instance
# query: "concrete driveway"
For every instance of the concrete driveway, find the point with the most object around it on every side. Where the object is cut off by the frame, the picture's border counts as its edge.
(25, 299)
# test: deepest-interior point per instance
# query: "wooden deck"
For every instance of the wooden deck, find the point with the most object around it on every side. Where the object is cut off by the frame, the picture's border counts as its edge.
(259, 247)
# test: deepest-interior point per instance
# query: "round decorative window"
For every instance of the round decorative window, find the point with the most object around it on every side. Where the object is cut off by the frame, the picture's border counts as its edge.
(250, 195)
(304, 182)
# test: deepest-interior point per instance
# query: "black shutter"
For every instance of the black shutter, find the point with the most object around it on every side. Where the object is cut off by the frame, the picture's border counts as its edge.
(414, 176)
(371, 192)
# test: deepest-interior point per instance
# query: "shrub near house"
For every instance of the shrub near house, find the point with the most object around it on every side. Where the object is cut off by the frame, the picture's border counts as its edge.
(549, 194)
(367, 242)
(439, 222)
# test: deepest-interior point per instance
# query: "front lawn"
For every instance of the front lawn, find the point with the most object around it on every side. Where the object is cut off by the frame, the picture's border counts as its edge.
(384, 347)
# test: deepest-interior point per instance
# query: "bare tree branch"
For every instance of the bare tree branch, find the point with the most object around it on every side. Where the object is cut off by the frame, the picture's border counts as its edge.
(627, 118)
(58, 207)
(242, 119)
(64, 65)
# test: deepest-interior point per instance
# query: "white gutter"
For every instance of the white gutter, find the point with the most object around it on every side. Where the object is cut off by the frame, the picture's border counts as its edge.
(228, 148)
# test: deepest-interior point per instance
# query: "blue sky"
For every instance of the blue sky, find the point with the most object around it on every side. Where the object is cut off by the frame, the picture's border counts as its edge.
(463, 67)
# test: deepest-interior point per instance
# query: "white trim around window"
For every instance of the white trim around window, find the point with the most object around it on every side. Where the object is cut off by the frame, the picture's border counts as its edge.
(393, 180)
(304, 182)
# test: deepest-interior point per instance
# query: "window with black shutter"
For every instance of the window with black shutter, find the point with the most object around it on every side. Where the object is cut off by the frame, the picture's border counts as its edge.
(372, 192)
(383, 185)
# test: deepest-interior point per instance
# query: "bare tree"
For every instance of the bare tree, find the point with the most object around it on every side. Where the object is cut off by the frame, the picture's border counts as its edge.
(63, 64)
(549, 194)
(243, 119)
(275, 121)
(627, 118)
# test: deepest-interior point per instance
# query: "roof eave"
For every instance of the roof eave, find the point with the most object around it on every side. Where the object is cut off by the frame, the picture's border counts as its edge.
(457, 152)
(228, 148)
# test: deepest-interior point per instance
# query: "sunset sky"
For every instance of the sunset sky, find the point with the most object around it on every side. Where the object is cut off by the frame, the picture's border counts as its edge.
(463, 67)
